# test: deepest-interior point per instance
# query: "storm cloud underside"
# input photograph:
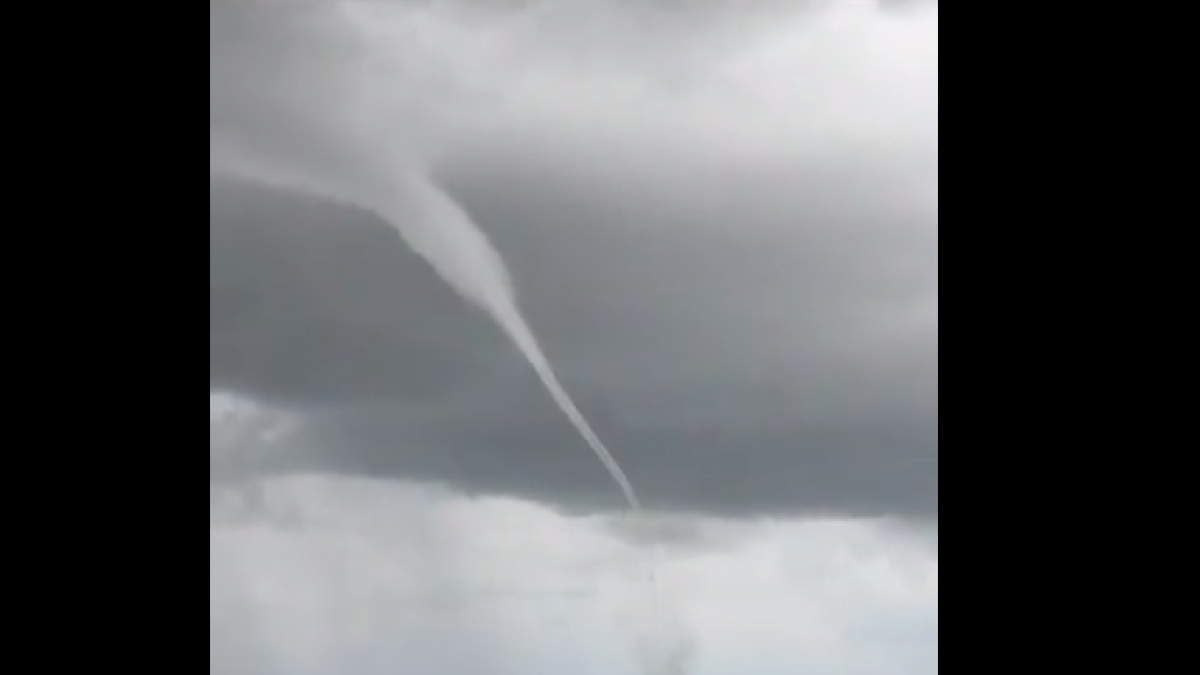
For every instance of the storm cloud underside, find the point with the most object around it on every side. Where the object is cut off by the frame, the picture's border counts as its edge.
(749, 313)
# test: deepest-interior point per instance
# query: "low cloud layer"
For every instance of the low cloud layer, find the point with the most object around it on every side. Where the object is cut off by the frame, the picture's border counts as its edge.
(726, 237)
(386, 577)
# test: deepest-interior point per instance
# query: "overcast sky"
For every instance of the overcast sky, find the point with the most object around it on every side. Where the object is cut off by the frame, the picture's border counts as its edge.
(722, 225)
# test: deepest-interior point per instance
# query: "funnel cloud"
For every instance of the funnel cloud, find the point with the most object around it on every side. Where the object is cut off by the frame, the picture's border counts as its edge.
(736, 279)
(710, 229)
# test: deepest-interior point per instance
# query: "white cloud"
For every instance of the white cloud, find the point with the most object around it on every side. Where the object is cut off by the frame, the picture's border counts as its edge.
(382, 578)
(785, 84)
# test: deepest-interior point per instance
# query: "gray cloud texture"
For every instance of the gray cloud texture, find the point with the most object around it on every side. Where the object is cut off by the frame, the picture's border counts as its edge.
(723, 228)
(394, 575)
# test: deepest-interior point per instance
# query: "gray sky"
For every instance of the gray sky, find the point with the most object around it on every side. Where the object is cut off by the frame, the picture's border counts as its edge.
(723, 228)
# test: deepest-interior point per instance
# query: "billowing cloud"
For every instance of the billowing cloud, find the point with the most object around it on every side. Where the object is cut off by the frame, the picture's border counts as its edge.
(390, 579)
(723, 227)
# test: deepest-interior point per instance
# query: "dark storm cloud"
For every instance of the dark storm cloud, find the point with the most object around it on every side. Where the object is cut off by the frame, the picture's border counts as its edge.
(316, 302)
(752, 333)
